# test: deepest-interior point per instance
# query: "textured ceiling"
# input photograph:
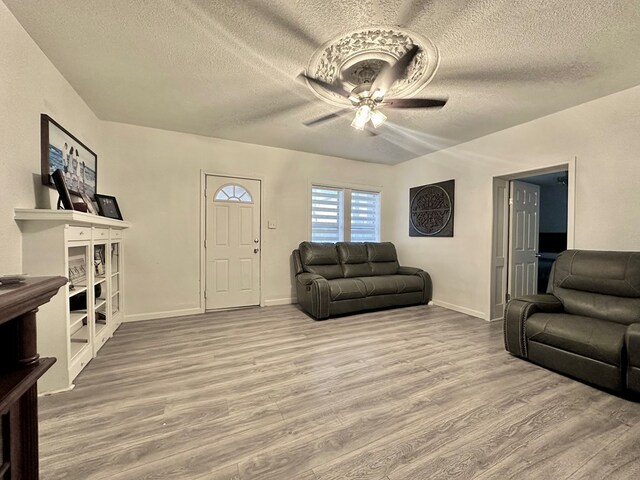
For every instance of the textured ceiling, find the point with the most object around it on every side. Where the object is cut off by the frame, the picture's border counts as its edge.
(227, 68)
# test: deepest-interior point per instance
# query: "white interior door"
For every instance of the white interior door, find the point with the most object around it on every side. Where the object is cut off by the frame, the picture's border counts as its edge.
(500, 248)
(524, 221)
(232, 242)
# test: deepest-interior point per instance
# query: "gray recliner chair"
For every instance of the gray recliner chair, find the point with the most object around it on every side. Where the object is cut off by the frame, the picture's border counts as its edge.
(588, 325)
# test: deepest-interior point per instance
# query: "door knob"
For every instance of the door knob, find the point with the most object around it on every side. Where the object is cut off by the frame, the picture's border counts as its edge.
(256, 240)
(538, 255)
(256, 250)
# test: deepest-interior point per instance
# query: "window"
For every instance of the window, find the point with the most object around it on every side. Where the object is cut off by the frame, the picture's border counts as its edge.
(339, 214)
(327, 217)
(365, 216)
(233, 193)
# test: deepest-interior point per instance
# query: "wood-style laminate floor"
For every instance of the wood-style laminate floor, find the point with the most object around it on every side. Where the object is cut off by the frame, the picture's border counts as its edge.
(412, 393)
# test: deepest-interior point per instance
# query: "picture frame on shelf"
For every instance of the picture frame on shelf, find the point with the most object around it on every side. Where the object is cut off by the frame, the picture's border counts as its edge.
(108, 206)
(60, 150)
(61, 186)
(91, 208)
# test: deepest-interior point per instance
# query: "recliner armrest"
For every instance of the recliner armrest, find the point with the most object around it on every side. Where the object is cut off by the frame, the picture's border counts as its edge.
(427, 292)
(515, 319)
(408, 270)
(313, 294)
(306, 278)
(632, 344)
(544, 303)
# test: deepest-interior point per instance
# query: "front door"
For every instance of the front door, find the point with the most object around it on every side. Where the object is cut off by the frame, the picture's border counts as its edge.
(232, 242)
(524, 220)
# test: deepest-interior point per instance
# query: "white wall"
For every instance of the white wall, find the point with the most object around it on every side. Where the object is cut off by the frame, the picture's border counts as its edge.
(156, 177)
(30, 85)
(602, 135)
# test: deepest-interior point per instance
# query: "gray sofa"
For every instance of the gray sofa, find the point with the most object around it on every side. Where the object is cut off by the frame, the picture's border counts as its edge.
(588, 325)
(346, 277)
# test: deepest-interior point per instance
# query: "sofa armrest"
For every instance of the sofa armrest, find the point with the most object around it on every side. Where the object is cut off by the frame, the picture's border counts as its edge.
(408, 270)
(427, 291)
(632, 344)
(313, 294)
(307, 278)
(515, 319)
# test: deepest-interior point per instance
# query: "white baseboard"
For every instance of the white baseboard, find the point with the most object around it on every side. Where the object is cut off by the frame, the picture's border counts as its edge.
(139, 317)
(279, 301)
(458, 308)
(60, 390)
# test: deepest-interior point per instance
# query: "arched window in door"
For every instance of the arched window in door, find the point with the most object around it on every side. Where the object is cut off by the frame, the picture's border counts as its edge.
(233, 193)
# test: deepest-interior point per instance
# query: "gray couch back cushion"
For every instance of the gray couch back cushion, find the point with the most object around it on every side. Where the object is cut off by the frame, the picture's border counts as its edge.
(596, 284)
(383, 258)
(321, 259)
(354, 259)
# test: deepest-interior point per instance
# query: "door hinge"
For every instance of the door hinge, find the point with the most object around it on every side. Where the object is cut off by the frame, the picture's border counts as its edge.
(205, 294)
(205, 244)
(507, 297)
(511, 201)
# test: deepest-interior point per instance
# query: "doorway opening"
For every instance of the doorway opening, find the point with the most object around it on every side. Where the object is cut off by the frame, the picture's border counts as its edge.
(532, 224)
(552, 228)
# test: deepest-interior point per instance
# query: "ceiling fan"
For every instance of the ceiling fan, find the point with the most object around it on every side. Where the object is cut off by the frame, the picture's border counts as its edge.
(368, 98)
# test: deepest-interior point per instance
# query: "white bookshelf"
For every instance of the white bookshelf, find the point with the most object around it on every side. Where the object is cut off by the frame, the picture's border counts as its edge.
(87, 249)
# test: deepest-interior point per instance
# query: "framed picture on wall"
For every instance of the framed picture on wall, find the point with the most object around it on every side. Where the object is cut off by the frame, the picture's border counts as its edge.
(108, 206)
(60, 150)
(431, 209)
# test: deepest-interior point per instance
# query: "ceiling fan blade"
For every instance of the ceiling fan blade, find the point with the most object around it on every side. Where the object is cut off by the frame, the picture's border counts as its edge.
(324, 118)
(388, 76)
(274, 18)
(512, 73)
(282, 107)
(409, 10)
(335, 88)
(414, 103)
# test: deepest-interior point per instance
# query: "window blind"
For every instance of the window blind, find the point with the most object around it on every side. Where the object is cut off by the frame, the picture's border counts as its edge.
(365, 216)
(327, 223)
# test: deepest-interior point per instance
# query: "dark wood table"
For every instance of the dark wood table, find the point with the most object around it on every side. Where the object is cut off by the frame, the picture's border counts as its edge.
(20, 369)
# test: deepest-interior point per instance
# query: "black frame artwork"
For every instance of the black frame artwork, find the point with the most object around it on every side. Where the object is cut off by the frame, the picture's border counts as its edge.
(108, 206)
(431, 210)
(59, 149)
(61, 186)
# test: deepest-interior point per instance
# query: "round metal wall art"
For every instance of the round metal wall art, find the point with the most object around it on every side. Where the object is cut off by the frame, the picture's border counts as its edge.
(357, 58)
(431, 210)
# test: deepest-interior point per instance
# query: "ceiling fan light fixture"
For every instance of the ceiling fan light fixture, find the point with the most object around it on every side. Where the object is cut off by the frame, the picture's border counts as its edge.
(363, 115)
(377, 118)
(378, 95)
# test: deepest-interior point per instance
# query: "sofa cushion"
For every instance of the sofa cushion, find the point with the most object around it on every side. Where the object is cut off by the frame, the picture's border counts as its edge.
(346, 288)
(354, 259)
(392, 284)
(321, 259)
(383, 258)
(608, 273)
(597, 339)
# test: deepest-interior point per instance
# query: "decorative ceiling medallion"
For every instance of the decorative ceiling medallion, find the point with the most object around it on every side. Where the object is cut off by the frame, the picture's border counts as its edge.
(359, 56)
